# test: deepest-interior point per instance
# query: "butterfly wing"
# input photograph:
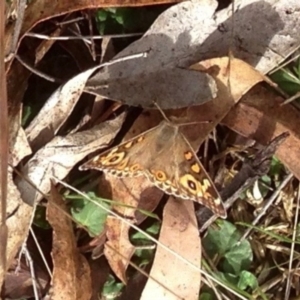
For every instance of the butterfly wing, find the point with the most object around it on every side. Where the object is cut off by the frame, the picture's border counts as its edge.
(127, 159)
(178, 171)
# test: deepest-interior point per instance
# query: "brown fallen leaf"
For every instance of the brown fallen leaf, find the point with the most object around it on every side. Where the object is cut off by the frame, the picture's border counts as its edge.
(18, 223)
(261, 117)
(198, 32)
(59, 156)
(180, 234)
(118, 249)
(19, 284)
(71, 272)
(56, 110)
(215, 110)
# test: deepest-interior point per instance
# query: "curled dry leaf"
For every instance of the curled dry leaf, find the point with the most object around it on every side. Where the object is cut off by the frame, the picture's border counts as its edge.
(18, 222)
(190, 32)
(288, 196)
(174, 278)
(59, 156)
(215, 110)
(19, 147)
(56, 110)
(71, 273)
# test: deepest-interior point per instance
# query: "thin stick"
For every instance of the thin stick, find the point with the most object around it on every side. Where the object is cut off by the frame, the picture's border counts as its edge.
(40, 251)
(3, 148)
(82, 37)
(32, 273)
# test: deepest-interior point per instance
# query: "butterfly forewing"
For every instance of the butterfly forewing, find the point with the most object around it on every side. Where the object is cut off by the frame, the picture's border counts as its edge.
(126, 160)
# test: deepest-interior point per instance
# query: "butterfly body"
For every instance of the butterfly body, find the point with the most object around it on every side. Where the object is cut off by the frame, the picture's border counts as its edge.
(166, 158)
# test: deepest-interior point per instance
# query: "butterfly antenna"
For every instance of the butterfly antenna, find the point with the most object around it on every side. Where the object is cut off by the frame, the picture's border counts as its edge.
(161, 111)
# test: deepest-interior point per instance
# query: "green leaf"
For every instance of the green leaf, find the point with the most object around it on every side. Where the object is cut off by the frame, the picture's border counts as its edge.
(27, 111)
(91, 215)
(276, 166)
(247, 279)
(227, 277)
(137, 238)
(206, 296)
(112, 288)
(120, 19)
(238, 258)
(287, 80)
(220, 240)
(40, 218)
(102, 15)
(111, 10)
(152, 230)
(145, 256)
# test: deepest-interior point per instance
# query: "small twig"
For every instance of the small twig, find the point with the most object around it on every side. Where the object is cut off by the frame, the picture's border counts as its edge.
(52, 79)
(37, 72)
(28, 258)
(288, 282)
(286, 62)
(83, 37)
(40, 251)
(3, 149)
(290, 99)
(70, 21)
(93, 50)
(32, 272)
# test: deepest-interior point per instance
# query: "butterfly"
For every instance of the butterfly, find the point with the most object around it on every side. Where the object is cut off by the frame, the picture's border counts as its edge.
(166, 158)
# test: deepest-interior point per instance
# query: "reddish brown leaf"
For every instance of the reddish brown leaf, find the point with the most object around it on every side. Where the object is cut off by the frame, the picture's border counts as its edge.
(118, 249)
(260, 117)
(71, 272)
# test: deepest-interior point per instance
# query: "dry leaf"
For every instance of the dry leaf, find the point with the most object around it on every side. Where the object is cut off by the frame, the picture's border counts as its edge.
(71, 272)
(180, 234)
(261, 117)
(56, 110)
(288, 197)
(18, 221)
(59, 156)
(128, 191)
(38, 11)
(190, 32)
